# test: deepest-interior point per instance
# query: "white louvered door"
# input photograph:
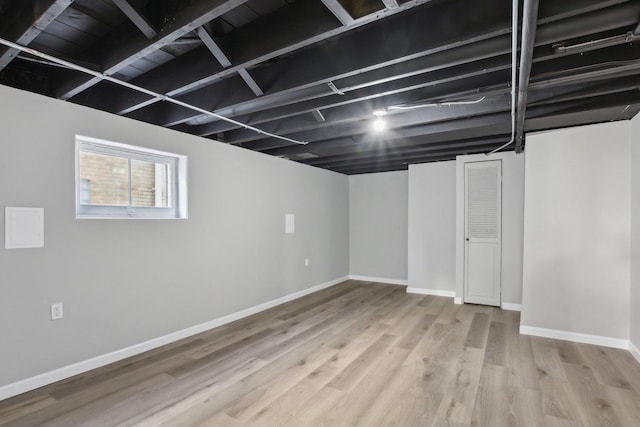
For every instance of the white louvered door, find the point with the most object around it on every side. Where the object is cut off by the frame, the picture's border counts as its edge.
(483, 223)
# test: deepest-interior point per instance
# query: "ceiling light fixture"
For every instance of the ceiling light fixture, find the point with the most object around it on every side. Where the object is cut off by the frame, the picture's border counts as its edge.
(379, 123)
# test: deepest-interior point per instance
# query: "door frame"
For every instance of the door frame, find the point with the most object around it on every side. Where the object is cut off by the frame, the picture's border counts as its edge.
(460, 219)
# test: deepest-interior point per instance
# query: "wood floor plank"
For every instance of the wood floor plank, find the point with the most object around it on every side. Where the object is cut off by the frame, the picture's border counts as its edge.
(477, 335)
(598, 408)
(496, 352)
(280, 410)
(356, 369)
(358, 353)
(352, 409)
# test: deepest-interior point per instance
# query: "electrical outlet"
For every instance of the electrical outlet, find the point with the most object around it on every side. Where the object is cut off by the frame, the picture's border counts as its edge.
(56, 311)
(306, 262)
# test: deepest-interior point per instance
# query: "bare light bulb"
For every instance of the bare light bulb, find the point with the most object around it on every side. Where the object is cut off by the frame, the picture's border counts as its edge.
(379, 124)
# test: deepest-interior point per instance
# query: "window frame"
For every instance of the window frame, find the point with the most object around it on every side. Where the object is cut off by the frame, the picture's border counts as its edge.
(176, 181)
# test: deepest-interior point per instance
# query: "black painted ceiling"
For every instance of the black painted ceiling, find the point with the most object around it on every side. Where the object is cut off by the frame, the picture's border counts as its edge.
(315, 70)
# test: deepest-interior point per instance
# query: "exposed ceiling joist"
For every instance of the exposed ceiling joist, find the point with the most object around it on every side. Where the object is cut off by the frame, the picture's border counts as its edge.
(314, 23)
(194, 15)
(137, 18)
(29, 20)
(309, 78)
(317, 114)
(340, 12)
(391, 4)
(441, 69)
(213, 47)
(225, 62)
(255, 88)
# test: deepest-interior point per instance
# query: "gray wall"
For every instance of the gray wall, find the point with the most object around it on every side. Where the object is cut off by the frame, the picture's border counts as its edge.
(432, 226)
(433, 189)
(577, 230)
(634, 333)
(378, 225)
(126, 281)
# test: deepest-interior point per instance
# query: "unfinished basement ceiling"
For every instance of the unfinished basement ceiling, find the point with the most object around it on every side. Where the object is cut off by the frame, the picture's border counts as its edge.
(316, 70)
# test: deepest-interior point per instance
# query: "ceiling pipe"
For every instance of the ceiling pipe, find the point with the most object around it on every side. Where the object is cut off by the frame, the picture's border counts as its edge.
(140, 89)
(529, 24)
(514, 69)
(628, 37)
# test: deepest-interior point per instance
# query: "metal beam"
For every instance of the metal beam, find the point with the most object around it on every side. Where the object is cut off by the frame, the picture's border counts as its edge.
(340, 12)
(529, 25)
(28, 21)
(192, 16)
(137, 18)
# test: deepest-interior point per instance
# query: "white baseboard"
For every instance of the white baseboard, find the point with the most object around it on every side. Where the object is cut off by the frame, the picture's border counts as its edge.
(634, 351)
(457, 300)
(50, 377)
(379, 280)
(436, 292)
(512, 307)
(574, 336)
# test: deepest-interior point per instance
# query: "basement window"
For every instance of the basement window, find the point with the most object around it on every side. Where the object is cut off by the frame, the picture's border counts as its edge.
(116, 180)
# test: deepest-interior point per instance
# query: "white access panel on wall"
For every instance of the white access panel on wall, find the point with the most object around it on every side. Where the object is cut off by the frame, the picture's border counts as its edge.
(482, 231)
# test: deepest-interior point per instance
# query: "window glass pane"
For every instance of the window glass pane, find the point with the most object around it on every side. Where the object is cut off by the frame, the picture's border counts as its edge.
(107, 179)
(149, 184)
(85, 192)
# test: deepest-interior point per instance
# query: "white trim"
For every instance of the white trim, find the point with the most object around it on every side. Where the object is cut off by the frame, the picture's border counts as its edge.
(575, 336)
(50, 377)
(512, 307)
(379, 280)
(634, 351)
(457, 300)
(436, 292)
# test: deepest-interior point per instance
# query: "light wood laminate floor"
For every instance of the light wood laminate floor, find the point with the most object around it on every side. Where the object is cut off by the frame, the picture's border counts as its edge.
(355, 354)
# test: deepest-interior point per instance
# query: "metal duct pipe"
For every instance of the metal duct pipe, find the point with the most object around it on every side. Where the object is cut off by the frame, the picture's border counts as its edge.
(514, 64)
(529, 23)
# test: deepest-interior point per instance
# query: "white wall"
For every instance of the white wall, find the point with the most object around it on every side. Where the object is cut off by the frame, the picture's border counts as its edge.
(576, 234)
(432, 227)
(126, 281)
(512, 224)
(634, 333)
(378, 225)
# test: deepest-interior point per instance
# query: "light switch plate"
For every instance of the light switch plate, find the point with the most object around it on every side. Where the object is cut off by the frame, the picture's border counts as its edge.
(23, 228)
